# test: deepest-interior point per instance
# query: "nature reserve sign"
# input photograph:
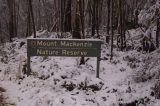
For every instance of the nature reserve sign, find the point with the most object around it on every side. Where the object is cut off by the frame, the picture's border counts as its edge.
(64, 47)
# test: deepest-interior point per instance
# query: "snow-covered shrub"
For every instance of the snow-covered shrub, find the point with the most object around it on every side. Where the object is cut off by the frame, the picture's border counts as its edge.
(147, 44)
(92, 87)
(150, 69)
(140, 102)
(133, 62)
(134, 103)
(147, 15)
(69, 85)
(156, 89)
(2, 90)
(141, 76)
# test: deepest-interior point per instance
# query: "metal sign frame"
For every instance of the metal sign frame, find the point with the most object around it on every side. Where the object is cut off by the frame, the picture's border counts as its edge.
(63, 47)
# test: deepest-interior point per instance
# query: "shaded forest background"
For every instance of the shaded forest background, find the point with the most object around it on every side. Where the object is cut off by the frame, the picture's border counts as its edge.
(81, 18)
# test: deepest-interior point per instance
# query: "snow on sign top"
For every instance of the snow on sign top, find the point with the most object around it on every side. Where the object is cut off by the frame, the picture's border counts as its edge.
(65, 39)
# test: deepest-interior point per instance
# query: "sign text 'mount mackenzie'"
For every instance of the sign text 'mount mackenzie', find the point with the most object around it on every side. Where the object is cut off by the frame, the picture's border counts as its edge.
(64, 47)
(62, 44)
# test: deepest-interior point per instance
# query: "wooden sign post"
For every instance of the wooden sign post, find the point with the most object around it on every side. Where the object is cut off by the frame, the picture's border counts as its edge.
(66, 47)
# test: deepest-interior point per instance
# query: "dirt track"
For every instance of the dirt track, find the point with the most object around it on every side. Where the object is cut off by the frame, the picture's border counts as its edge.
(3, 102)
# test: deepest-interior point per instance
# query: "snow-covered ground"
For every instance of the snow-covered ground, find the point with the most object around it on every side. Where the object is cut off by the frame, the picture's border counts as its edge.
(61, 81)
(130, 79)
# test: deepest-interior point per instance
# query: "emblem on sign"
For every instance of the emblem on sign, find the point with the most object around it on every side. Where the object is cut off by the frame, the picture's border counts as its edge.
(33, 43)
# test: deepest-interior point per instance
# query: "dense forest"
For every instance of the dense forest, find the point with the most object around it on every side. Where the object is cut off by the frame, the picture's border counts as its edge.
(129, 72)
(81, 18)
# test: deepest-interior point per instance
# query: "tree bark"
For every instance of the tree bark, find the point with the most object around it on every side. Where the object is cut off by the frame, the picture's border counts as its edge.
(11, 19)
(76, 34)
(81, 5)
(121, 23)
(97, 17)
(112, 32)
(29, 31)
(14, 18)
(67, 21)
(158, 29)
(94, 18)
(62, 16)
(108, 21)
(32, 16)
(77, 23)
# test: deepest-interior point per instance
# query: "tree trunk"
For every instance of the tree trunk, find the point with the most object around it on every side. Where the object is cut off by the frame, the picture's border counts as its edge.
(81, 5)
(14, 18)
(158, 29)
(81, 9)
(112, 32)
(62, 15)
(76, 34)
(11, 19)
(121, 23)
(29, 31)
(94, 18)
(77, 25)
(0, 31)
(39, 22)
(67, 21)
(32, 16)
(59, 13)
(97, 18)
(90, 12)
(100, 11)
(108, 21)
(17, 17)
